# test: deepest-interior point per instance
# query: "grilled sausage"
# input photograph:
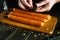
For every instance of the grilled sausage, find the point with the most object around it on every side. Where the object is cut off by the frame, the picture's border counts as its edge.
(26, 20)
(29, 16)
(46, 16)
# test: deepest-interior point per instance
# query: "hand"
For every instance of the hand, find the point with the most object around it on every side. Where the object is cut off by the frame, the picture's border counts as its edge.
(45, 5)
(25, 3)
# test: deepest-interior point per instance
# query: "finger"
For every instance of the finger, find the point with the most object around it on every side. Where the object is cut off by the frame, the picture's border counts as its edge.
(39, 10)
(31, 3)
(26, 3)
(42, 9)
(21, 5)
(51, 4)
(41, 3)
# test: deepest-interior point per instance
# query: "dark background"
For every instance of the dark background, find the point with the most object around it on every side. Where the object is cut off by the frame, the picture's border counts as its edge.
(1, 5)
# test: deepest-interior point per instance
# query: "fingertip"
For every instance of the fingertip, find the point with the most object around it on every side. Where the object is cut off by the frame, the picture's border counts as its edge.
(37, 10)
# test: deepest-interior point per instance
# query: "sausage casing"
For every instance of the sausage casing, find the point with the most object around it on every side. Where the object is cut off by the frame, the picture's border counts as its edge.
(29, 16)
(47, 16)
(26, 20)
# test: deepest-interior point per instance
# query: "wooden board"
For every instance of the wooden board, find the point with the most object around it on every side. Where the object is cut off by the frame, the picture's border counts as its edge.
(48, 27)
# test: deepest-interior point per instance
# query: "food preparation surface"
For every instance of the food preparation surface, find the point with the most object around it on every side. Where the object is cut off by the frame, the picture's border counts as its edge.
(47, 28)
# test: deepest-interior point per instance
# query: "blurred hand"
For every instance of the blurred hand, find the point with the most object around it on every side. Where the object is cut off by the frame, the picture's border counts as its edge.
(25, 3)
(45, 5)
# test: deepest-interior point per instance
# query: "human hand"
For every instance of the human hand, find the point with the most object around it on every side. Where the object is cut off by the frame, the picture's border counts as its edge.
(25, 3)
(45, 5)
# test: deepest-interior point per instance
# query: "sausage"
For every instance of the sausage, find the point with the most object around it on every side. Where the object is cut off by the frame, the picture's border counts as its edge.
(26, 20)
(29, 16)
(46, 16)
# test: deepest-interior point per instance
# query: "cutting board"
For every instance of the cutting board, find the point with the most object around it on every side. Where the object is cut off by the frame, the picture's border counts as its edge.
(48, 27)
